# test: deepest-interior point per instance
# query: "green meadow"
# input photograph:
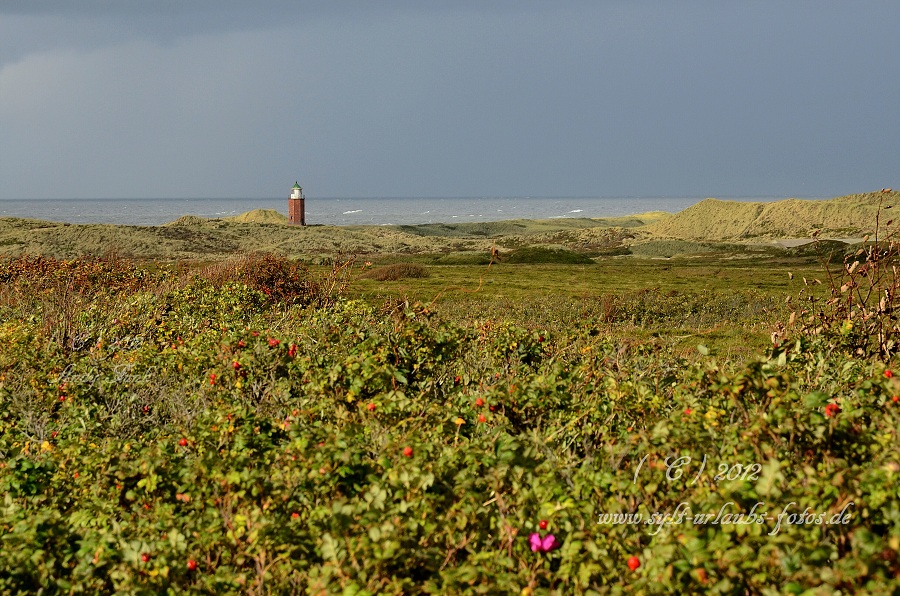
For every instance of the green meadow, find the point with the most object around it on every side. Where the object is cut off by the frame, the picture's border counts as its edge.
(647, 405)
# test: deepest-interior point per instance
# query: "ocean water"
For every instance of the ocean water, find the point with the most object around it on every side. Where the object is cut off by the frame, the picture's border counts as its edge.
(345, 212)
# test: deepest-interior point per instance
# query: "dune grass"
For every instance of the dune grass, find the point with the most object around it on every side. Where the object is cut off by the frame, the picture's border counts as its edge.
(712, 219)
(709, 226)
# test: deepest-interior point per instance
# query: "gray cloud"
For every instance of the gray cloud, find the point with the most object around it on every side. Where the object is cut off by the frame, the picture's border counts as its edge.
(446, 98)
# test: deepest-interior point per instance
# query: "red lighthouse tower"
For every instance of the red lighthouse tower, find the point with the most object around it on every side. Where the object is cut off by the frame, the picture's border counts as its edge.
(296, 207)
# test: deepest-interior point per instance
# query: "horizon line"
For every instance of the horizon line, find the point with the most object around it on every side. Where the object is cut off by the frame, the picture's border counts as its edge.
(405, 197)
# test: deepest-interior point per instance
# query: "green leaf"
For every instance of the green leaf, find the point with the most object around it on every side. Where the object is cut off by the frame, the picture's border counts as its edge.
(771, 477)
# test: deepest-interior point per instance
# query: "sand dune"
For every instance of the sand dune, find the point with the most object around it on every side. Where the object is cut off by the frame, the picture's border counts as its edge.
(193, 237)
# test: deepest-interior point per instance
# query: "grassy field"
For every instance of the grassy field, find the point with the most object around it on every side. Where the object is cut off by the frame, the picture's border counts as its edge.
(728, 304)
(725, 421)
(538, 282)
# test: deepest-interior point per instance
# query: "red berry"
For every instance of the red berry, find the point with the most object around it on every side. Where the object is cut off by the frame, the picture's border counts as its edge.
(832, 410)
(241, 344)
(634, 563)
(479, 402)
(62, 398)
(295, 515)
(407, 451)
(687, 411)
(273, 342)
(145, 557)
(292, 351)
(371, 407)
(191, 564)
(183, 442)
(457, 380)
(481, 418)
(236, 365)
(895, 399)
(888, 374)
(212, 378)
(543, 524)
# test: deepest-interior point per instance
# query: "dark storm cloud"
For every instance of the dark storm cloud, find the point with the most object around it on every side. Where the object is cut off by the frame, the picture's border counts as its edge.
(648, 97)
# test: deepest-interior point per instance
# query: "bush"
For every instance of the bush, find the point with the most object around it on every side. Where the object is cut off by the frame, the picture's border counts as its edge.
(397, 271)
(278, 278)
(62, 292)
(859, 317)
(207, 441)
(691, 309)
(33, 274)
(542, 255)
(464, 258)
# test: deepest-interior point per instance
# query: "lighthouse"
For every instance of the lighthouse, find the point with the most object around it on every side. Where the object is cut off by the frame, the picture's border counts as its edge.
(296, 207)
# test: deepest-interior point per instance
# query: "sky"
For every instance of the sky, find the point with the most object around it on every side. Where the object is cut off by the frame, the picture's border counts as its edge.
(441, 98)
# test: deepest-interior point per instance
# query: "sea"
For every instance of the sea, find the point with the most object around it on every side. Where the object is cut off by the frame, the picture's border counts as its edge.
(349, 211)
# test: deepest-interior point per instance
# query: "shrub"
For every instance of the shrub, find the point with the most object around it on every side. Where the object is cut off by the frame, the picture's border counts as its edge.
(280, 279)
(61, 292)
(240, 447)
(464, 258)
(859, 316)
(168, 468)
(397, 271)
(34, 274)
(540, 255)
(688, 308)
